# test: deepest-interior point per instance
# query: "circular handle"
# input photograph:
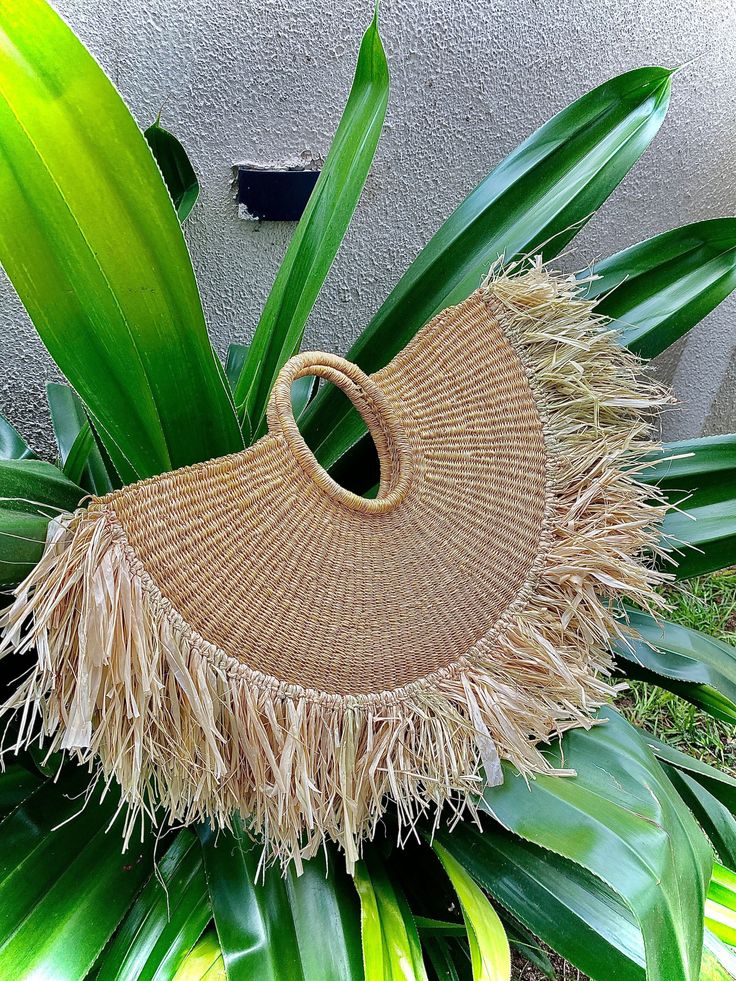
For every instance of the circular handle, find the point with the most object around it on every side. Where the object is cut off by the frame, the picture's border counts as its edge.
(382, 419)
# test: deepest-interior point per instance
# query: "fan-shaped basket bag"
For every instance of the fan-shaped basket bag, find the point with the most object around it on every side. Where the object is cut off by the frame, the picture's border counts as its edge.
(245, 635)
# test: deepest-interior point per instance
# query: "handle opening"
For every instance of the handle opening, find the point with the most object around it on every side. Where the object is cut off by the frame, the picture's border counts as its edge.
(380, 416)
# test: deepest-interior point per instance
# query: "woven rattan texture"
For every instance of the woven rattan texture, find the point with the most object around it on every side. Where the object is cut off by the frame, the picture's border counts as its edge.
(297, 582)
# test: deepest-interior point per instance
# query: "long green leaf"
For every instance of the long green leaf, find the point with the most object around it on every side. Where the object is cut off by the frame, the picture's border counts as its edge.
(712, 816)
(657, 290)
(326, 919)
(703, 534)
(25, 485)
(704, 464)
(489, 946)
(720, 907)
(721, 785)
(166, 920)
(16, 783)
(82, 447)
(70, 424)
(98, 257)
(275, 928)
(22, 538)
(391, 947)
(447, 960)
(722, 886)
(204, 963)
(621, 819)
(236, 355)
(176, 168)
(428, 926)
(719, 960)
(693, 665)
(526, 944)
(254, 924)
(12, 444)
(31, 493)
(302, 390)
(319, 233)
(698, 476)
(534, 201)
(570, 909)
(65, 883)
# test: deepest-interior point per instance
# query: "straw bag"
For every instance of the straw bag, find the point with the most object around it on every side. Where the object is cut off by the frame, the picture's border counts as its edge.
(245, 635)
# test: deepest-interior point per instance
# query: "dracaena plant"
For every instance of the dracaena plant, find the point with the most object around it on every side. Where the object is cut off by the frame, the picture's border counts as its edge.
(623, 869)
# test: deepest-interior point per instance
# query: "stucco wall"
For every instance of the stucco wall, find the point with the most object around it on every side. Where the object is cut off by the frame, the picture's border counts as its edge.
(266, 81)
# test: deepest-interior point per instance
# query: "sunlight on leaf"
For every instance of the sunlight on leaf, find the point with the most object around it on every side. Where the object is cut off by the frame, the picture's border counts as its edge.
(489, 946)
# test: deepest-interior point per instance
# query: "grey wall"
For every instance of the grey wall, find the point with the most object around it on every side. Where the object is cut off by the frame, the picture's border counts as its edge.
(240, 80)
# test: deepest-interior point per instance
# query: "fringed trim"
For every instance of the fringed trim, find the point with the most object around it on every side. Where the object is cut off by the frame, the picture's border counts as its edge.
(120, 678)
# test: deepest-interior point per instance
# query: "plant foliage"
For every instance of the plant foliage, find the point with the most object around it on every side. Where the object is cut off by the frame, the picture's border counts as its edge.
(611, 868)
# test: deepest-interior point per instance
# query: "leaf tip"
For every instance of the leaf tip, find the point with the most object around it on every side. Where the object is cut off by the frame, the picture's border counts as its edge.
(685, 64)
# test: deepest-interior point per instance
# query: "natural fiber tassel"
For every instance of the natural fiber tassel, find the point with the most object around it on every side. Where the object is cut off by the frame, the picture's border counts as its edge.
(144, 663)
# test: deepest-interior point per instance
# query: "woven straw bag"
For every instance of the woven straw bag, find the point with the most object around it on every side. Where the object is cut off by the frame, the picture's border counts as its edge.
(245, 635)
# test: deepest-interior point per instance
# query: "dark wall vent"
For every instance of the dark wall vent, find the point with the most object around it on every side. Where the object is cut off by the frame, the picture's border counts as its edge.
(274, 195)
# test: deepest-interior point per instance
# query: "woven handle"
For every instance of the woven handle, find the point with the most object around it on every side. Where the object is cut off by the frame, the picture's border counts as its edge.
(379, 415)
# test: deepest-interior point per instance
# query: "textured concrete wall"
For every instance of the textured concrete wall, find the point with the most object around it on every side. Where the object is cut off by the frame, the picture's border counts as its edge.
(265, 81)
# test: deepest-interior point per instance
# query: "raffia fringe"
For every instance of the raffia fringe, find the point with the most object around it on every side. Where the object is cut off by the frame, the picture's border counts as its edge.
(119, 678)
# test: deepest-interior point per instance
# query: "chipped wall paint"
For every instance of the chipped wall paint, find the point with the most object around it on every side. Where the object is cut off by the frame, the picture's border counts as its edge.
(265, 81)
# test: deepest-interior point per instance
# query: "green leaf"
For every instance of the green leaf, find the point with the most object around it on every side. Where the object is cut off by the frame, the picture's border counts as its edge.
(621, 819)
(526, 944)
(12, 444)
(98, 258)
(176, 168)
(31, 493)
(721, 785)
(427, 926)
(712, 816)
(657, 290)
(534, 201)
(204, 963)
(79, 454)
(27, 485)
(722, 888)
(319, 233)
(254, 924)
(693, 665)
(326, 919)
(165, 921)
(16, 783)
(302, 390)
(22, 538)
(391, 948)
(701, 482)
(702, 464)
(570, 909)
(489, 946)
(236, 355)
(271, 927)
(65, 883)
(704, 535)
(69, 421)
(448, 960)
(720, 907)
(719, 961)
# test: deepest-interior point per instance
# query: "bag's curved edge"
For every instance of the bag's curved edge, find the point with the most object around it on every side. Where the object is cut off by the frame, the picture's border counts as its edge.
(120, 678)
